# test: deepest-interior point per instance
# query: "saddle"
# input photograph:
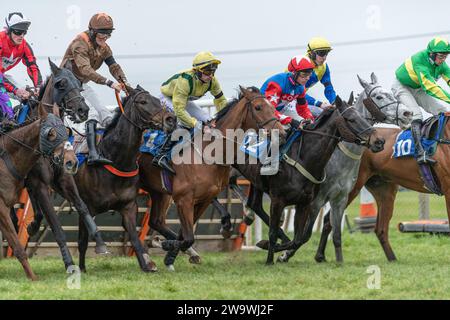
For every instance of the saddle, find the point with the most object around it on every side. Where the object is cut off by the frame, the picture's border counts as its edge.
(430, 127)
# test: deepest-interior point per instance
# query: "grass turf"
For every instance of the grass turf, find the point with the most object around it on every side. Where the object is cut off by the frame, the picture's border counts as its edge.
(421, 271)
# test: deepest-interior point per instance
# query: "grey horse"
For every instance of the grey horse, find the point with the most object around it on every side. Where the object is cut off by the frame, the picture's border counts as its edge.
(342, 169)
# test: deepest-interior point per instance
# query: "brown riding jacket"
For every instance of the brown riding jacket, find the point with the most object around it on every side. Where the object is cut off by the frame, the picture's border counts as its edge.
(87, 58)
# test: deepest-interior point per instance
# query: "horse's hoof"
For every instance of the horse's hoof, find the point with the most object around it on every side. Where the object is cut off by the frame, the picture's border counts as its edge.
(226, 234)
(269, 263)
(151, 266)
(195, 260)
(170, 268)
(156, 243)
(263, 244)
(102, 249)
(320, 258)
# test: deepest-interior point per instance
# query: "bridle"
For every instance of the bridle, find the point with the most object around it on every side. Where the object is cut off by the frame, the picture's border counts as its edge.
(249, 105)
(374, 118)
(155, 124)
(354, 137)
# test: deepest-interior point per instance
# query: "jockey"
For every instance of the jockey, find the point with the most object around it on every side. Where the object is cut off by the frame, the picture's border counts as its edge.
(286, 92)
(318, 49)
(415, 86)
(179, 91)
(86, 54)
(13, 49)
(5, 104)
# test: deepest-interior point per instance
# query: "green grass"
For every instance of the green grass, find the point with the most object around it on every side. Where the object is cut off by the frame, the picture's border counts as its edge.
(421, 272)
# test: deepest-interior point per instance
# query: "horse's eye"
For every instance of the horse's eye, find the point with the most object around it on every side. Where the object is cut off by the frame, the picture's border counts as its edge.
(379, 97)
(258, 107)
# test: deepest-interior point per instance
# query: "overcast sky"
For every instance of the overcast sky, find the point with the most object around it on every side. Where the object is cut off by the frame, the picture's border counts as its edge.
(158, 27)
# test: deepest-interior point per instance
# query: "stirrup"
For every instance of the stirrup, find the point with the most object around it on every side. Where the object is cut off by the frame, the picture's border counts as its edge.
(163, 163)
(98, 160)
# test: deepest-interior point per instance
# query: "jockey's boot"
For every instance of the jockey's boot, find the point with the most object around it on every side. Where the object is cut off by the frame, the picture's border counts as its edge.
(422, 156)
(161, 159)
(91, 136)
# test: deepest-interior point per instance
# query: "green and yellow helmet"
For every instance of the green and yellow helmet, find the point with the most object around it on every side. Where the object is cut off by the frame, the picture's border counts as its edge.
(203, 59)
(438, 45)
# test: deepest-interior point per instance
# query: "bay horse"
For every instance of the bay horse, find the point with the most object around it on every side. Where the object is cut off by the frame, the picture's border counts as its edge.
(20, 149)
(382, 174)
(196, 185)
(298, 182)
(116, 187)
(342, 169)
(62, 89)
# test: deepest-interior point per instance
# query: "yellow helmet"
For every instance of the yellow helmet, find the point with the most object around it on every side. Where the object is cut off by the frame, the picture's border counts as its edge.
(318, 43)
(203, 59)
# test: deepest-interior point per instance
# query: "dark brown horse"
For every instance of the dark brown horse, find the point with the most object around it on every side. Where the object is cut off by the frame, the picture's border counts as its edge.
(20, 149)
(196, 185)
(63, 89)
(382, 175)
(103, 190)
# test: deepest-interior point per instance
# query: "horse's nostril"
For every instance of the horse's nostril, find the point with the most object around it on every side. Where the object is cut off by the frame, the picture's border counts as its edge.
(407, 113)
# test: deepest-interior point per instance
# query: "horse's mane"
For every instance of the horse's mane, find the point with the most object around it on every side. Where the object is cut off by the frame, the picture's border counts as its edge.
(321, 119)
(13, 128)
(232, 103)
(43, 88)
(114, 121)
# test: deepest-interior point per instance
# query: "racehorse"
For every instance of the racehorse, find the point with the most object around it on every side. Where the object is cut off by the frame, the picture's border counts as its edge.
(382, 174)
(20, 149)
(196, 185)
(342, 169)
(302, 173)
(62, 89)
(115, 187)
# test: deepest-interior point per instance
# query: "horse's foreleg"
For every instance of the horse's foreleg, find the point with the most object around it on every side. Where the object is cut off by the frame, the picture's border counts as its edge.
(7, 228)
(129, 223)
(42, 196)
(226, 227)
(276, 210)
(326, 229)
(337, 213)
(255, 202)
(384, 194)
(83, 241)
(70, 192)
(303, 225)
(34, 226)
(185, 240)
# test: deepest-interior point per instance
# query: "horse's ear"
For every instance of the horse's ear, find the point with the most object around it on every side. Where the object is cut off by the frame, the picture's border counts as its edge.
(56, 110)
(374, 78)
(243, 91)
(351, 99)
(68, 66)
(140, 88)
(339, 103)
(54, 68)
(42, 112)
(363, 82)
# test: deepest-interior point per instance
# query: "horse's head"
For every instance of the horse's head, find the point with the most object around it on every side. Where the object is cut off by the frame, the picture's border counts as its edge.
(355, 129)
(54, 145)
(146, 111)
(257, 112)
(382, 104)
(67, 94)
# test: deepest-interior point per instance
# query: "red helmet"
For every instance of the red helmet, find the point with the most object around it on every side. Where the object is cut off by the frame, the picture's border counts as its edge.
(300, 63)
